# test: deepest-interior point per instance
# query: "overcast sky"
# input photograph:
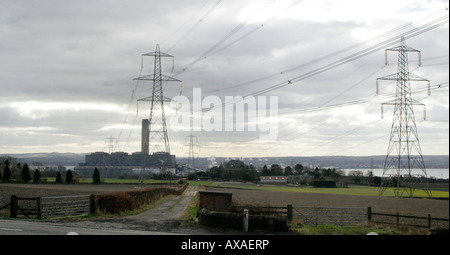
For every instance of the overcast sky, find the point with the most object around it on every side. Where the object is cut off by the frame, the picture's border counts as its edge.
(67, 70)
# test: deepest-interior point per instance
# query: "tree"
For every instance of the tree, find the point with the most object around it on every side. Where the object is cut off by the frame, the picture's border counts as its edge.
(235, 169)
(96, 177)
(370, 178)
(26, 176)
(336, 174)
(69, 176)
(298, 169)
(36, 176)
(58, 178)
(213, 172)
(6, 174)
(276, 170)
(265, 171)
(376, 181)
(357, 175)
(220, 171)
(288, 171)
(317, 174)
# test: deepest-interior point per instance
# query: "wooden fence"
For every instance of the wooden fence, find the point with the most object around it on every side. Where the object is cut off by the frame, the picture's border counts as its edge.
(414, 221)
(50, 207)
(343, 216)
(339, 216)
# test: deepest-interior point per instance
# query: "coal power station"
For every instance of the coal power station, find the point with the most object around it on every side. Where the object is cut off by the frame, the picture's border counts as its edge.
(117, 164)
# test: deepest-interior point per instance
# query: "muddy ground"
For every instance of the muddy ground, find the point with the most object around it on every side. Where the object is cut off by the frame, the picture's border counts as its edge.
(409, 206)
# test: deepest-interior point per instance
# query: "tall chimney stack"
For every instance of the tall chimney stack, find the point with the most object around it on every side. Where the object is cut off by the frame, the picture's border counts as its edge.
(145, 137)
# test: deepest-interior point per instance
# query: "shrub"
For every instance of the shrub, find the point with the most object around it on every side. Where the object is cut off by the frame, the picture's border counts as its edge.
(96, 176)
(26, 176)
(115, 202)
(324, 184)
(6, 174)
(36, 176)
(69, 176)
(118, 202)
(58, 178)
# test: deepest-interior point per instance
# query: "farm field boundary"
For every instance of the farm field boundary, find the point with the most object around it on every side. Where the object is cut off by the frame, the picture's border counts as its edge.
(359, 190)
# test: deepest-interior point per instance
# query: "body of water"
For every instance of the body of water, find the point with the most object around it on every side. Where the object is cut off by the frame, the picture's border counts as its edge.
(438, 173)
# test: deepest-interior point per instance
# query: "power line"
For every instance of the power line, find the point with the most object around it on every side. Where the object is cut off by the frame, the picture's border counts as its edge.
(323, 122)
(355, 56)
(217, 44)
(362, 100)
(195, 25)
(290, 81)
(362, 53)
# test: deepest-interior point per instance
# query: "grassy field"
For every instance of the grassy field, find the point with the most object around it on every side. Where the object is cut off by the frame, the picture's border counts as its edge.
(351, 190)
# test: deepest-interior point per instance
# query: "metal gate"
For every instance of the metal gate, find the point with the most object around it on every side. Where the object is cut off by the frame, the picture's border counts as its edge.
(341, 216)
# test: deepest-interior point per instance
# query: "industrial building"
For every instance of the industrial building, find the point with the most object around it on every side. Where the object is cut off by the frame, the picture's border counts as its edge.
(116, 164)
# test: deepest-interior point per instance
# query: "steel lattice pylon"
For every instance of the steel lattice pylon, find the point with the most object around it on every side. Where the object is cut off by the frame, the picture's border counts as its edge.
(404, 156)
(158, 141)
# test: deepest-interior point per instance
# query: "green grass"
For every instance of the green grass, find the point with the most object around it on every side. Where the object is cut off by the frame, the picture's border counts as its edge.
(204, 183)
(352, 230)
(351, 190)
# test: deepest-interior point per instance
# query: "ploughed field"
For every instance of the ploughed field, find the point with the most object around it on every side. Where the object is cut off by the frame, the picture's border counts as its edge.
(332, 203)
(410, 206)
(421, 207)
(49, 190)
(413, 206)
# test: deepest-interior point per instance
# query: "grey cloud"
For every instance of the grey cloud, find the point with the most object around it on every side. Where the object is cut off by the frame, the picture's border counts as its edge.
(89, 52)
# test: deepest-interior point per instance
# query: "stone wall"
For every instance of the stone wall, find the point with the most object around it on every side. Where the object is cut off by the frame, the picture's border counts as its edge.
(228, 220)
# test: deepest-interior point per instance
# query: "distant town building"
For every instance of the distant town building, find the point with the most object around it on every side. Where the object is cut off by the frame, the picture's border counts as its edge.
(273, 179)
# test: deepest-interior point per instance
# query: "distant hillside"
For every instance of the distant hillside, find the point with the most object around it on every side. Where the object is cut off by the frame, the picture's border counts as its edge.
(345, 162)
(54, 158)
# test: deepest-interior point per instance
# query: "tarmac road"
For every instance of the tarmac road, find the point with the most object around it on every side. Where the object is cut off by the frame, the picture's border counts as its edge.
(25, 227)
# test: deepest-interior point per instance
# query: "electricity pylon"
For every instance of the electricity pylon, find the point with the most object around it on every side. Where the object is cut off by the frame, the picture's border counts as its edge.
(192, 153)
(158, 139)
(110, 140)
(404, 153)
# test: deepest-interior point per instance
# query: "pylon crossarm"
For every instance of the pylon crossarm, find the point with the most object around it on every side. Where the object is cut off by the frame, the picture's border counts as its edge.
(403, 48)
(391, 77)
(151, 77)
(149, 99)
(160, 54)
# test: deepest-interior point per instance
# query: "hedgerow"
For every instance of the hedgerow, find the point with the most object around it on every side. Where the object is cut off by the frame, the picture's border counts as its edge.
(121, 201)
